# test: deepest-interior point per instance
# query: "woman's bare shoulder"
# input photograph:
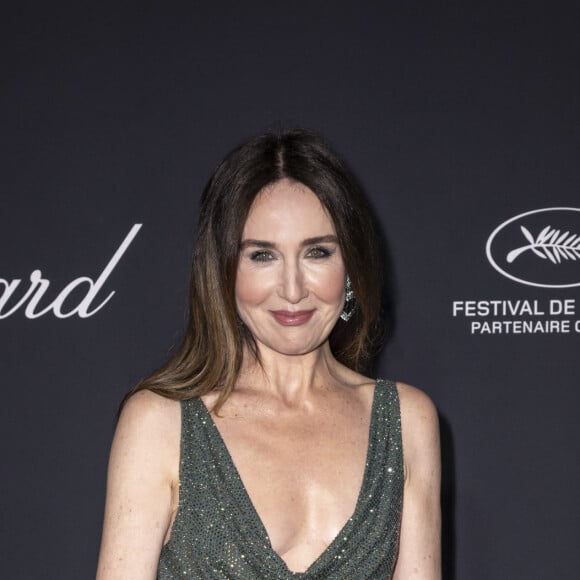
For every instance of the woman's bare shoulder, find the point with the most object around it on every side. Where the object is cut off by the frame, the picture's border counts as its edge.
(141, 487)
(419, 419)
(415, 401)
(419, 547)
(146, 405)
(150, 424)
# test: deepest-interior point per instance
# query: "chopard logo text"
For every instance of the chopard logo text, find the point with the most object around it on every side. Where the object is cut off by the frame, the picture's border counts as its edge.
(89, 305)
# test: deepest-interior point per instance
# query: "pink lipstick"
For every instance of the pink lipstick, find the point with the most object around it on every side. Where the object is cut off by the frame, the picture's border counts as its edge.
(294, 318)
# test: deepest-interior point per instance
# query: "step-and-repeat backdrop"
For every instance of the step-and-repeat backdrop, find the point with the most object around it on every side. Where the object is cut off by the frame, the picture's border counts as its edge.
(462, 124)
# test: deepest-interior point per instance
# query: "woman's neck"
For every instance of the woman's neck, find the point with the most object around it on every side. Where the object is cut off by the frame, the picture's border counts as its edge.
(290, 377)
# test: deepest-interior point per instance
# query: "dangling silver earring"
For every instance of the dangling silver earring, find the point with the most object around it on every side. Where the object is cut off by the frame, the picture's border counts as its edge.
(349, 301)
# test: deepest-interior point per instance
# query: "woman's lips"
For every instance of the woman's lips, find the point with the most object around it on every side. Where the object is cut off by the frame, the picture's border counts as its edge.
(287, 318)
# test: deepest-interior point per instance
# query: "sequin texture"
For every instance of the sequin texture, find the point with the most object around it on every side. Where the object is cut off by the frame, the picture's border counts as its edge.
(217, 533)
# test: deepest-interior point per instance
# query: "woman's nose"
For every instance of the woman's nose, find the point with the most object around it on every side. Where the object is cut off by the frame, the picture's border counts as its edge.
(292, 286)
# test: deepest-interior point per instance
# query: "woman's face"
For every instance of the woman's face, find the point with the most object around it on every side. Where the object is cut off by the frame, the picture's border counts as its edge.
(291, 276)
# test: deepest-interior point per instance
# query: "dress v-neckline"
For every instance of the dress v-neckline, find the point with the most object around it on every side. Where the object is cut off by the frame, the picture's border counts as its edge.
(255, 516)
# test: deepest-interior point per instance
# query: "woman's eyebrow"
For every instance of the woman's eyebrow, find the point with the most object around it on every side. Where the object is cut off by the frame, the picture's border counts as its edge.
(256, 243)
(328, 239)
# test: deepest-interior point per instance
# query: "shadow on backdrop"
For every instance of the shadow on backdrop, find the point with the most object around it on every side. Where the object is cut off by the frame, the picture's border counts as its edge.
(447, 498)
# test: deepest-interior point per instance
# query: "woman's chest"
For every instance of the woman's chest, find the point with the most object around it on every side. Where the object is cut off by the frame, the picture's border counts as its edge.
(302, 472)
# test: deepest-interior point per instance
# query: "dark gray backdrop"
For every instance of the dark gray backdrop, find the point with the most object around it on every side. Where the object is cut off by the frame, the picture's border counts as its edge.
(455, 116)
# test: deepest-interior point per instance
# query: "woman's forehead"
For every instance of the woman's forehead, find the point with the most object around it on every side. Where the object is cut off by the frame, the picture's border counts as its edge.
(285, 206)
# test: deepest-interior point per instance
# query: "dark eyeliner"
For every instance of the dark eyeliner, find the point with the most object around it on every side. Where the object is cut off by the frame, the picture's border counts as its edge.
(325, 252)
(261, 256)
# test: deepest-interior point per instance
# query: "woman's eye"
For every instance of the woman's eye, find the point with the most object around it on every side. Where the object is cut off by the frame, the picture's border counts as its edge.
(319, 253)
(261, 256)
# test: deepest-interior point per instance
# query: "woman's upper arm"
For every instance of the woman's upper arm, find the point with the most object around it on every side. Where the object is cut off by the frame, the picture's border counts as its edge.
(420, 543)
(141, 485)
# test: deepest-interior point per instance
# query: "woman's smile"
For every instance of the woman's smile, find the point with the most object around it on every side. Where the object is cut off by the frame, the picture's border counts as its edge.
(292, 318)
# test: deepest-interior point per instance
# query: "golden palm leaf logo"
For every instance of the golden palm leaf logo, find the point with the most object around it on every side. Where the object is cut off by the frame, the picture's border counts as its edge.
(550, 244)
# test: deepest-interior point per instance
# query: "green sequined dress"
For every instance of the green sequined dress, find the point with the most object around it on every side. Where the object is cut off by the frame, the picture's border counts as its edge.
(217, 533)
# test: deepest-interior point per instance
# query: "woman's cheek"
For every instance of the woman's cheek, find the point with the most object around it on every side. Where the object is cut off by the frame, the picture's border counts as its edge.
(250, 288)
(329, 285)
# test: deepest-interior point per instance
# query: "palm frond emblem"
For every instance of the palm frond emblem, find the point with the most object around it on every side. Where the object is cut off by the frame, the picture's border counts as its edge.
(550, 244)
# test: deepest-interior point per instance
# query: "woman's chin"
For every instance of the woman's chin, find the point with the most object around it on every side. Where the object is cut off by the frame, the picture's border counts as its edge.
(287, 348)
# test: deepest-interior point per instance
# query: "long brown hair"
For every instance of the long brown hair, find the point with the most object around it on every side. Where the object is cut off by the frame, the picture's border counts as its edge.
(210, 355)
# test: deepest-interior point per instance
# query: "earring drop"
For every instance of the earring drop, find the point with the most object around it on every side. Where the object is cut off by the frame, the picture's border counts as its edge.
(348, 309)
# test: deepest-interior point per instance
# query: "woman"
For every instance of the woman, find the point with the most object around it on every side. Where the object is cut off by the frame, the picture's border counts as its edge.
(259, 450)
